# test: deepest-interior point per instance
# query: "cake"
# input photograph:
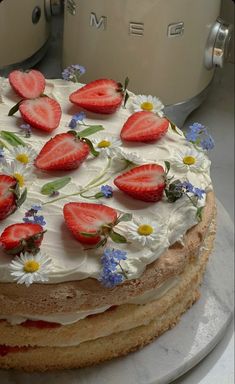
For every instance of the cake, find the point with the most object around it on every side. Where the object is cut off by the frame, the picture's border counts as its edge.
(74, 296)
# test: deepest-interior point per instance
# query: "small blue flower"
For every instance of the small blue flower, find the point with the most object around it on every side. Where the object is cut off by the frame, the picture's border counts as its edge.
(110, 260)
(80, 116)
(208, 143)
(192, 136)
(73, 72)
(80, 68)
(110, 280)
(197, 127)
(1, 154)
(107, 191)
(36, 207)
(39, 220)
(31, 216)
(188, 186)
(199, 193)
(73, 124)
(27, 129)
(199, 135)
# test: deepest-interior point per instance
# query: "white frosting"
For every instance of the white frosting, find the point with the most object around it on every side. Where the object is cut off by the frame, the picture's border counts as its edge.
(69, 259)
(70, 318)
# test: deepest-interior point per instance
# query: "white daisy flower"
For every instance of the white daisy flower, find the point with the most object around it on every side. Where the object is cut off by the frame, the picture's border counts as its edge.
(27, 268)
(130, 156)
(18, 171)
(22, 154)
(188, 160)
(146, 232)
(107, 147)
(148, 103)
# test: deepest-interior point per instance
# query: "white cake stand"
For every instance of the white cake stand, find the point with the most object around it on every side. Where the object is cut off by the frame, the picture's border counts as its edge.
(178, 350)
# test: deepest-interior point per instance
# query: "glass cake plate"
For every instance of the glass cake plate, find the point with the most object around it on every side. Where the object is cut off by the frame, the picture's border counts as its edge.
(179, 349)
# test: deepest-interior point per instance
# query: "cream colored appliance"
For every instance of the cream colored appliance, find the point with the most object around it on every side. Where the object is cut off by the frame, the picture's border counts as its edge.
(168, 48)
(24, 32)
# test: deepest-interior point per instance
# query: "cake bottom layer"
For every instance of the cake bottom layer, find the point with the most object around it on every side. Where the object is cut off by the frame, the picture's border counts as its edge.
(118, 343)
(99, 350)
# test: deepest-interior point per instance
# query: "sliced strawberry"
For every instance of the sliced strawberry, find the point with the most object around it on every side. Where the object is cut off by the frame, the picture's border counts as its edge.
(28, 85)
(144, 126)
(63, 152)
(7, 197)
(88, 218)
(100, 96)
(43, 113)
(5, 349)
(146, 182)
(22, 237)
(39, 324)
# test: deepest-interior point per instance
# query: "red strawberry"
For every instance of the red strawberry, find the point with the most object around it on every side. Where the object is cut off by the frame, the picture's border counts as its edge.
(144, 126)
(43, 113)
(99, 96)
(21, 237)
(88, 218)
(7, 197)
(28, 85)
(63, 152)
(146, 182)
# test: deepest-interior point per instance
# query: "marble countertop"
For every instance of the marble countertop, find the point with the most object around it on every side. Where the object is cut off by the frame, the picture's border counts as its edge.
(217, 113)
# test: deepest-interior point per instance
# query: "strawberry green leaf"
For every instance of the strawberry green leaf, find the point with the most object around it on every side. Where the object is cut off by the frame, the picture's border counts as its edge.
(91, 130)
(126, 83)
(199, 213)
(53, 186)
(116, 237)
(124, 217)
(22, 198)
(12, 138)
(92, 149)
(174, 128)
(168, 166)
(86, 234)
(101, 243)
(14, 109)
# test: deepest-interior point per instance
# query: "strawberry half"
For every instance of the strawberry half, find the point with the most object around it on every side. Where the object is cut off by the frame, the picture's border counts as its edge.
(144, 126)
(63, 152)
(146, 182)
(28, 85)
(22, 237)
(7, 197)
(88, 218)
(43, 113)
(100, 96)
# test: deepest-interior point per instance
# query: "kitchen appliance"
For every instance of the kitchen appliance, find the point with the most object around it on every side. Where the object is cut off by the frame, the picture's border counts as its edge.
(168, 48)
(24, 33)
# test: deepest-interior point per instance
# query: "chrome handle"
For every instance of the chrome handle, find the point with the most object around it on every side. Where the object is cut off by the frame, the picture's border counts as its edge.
(52, 7)
(218, 44)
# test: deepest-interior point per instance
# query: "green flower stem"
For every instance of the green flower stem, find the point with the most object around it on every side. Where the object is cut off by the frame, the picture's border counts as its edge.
(123, 271)
(93, 183)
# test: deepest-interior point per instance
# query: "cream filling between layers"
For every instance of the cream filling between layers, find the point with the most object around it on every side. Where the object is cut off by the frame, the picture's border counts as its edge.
(66, 319)
(70, 261)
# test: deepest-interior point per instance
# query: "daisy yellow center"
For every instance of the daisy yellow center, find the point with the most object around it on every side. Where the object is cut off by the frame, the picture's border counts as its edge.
(23, 158)
(31, 266)
(189, 160)
(19, 178)
(104, 144)
(147, 106)
(145, 230)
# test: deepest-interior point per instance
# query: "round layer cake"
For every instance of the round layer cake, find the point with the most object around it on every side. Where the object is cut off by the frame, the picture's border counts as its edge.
(84, 296)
